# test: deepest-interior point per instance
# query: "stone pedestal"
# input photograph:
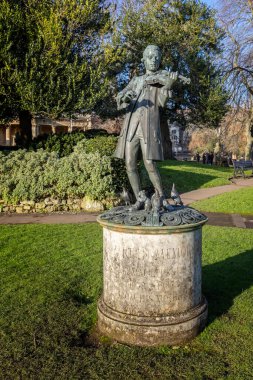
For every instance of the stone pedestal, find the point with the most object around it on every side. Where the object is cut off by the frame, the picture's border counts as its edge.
(152, 283)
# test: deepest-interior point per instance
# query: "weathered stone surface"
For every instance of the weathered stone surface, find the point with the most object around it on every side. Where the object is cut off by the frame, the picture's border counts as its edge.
(75, 207)
(49, 208)
(174, 329)
(29, 203)
(19, 210)
(152, 284)
(111, 202)
(40, 205)
(91, 205)
(48, 202)
(53, 204)
(55, 201)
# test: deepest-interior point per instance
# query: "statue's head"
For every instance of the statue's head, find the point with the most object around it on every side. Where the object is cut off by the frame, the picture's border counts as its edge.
(152, 58)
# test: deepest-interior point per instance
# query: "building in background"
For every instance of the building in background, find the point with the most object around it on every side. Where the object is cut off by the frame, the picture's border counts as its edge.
(180, 140)
(42, 126)
(8, 133)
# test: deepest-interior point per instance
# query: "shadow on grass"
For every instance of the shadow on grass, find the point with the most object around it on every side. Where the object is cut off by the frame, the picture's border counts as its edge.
(225, 280)
(188, 176)
(193, 164)
(185, 181)
(77, 297)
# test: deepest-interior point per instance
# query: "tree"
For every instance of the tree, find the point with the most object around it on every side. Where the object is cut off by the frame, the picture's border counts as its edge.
(188, 35)
(237, 20)
(202, 140)
(53, 57)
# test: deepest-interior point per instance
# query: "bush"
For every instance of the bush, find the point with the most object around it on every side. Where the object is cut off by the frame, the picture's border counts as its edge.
(105, 146)
(88, 171)
(64, 143)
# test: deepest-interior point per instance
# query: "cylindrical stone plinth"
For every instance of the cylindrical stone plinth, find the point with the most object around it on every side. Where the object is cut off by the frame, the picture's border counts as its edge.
(152, 284)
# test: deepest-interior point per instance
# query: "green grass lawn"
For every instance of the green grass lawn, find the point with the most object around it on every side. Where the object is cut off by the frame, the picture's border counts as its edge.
(51, 278)
(189, 176)
(236, 202)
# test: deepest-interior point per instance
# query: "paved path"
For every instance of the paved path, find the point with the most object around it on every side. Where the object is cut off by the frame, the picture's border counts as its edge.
(55, 218)
(197, 195)
(217, 219)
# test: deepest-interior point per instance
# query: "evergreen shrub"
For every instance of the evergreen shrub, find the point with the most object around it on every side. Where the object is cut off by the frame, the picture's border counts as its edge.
(105, 146)
(35, 175)
(64, 143)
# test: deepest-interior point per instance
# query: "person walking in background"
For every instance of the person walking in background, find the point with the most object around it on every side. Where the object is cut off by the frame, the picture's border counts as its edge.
(198, 157)
(204, 158)
(211, 158)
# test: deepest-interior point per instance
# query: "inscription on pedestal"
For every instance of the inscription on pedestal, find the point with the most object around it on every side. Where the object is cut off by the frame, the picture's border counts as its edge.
(142, 280)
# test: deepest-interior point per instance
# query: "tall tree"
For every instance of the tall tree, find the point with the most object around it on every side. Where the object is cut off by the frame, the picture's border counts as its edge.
(188, 35)
(53, 57)
(237, 20)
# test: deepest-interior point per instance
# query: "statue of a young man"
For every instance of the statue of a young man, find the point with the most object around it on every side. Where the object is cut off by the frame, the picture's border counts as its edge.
(143, 97)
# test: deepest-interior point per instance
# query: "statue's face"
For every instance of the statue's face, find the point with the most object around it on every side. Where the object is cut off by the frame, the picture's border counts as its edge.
(152, 59)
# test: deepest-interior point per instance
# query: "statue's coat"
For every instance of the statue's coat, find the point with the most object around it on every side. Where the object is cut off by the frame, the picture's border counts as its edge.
(143, 110)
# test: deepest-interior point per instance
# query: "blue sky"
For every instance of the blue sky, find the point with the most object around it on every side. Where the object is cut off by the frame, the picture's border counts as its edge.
(211, 3)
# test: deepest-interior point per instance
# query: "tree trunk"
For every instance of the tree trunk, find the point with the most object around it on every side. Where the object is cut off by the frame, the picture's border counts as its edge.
(249, 135)
(25, 122)
(217, 148)
(249, 141)
(167, 145)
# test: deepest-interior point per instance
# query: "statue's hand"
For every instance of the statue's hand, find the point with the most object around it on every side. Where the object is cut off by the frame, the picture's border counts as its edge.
(124, 98)
(128, 96)
(169, 79)
(184, 80)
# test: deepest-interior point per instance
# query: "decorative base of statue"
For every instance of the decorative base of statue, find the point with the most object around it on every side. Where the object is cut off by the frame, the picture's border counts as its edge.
(152, 276)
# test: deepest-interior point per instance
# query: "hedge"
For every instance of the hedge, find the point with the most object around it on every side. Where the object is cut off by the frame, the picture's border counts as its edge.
(90, 170)
(64, 143)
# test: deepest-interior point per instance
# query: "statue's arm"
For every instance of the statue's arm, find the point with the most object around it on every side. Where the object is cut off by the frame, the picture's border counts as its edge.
(125, 96)
(167, 79)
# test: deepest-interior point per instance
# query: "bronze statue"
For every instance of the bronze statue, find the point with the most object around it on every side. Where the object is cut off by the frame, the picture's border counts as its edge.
(142, 98)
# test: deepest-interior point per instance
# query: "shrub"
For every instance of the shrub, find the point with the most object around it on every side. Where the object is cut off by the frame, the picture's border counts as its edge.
(105, 145)
(27, 175)
(64, 143)
(85, 174)
(37, 175)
